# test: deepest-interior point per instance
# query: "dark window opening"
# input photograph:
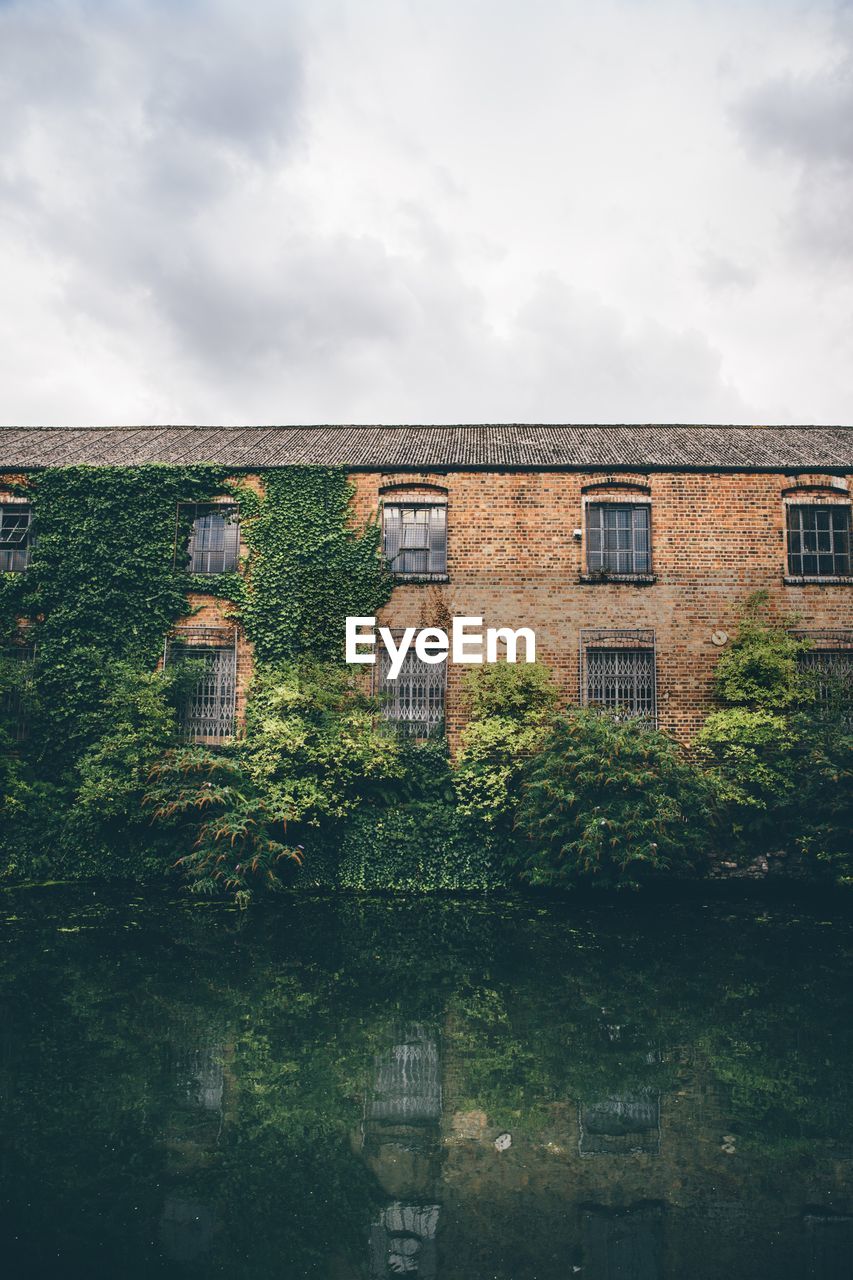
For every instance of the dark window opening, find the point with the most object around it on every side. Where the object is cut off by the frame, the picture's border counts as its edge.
(415, 539)
(414, 702)
(214, 541)
(618, 538)
(15, 689)
(15, 538)
(819, 541)
(208, 708)
(618, 673)
(831, 672)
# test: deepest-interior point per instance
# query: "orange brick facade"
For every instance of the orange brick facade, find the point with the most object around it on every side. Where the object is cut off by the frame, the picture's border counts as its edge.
(513, 558)
(517, 556)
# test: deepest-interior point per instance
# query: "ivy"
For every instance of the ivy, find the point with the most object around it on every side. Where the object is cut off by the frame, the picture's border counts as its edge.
(106, 582)
(308, 568)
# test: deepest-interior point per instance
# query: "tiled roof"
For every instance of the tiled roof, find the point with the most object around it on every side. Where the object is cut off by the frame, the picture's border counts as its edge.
(391, 448)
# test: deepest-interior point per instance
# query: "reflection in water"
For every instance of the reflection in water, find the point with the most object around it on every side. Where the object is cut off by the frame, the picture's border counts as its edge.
(402, 1146)
(623, 1244)
(186, 1229)
(199, 1074)
(448, 1090)
(831, 1240)
(407, 1081)
(403, 1242)
(623, 1125)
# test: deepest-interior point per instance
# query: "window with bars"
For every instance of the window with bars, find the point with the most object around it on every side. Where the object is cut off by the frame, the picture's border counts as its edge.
(208, 709)
(618, 538)
(15, 537)
(831, 670)
(414, 702)
(415, 539)
(819, 540)
(618, 673)
(15, 687)
(214, 541)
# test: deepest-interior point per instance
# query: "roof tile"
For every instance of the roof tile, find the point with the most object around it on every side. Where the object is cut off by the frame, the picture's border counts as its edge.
(419, 447)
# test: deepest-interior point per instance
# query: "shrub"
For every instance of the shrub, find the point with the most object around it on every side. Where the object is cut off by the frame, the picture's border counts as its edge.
(232, 839)
(315, 748)
(824, 794)
(778, 755)
(609, 804)
(511, 708)
(759, 669)
(418, 847)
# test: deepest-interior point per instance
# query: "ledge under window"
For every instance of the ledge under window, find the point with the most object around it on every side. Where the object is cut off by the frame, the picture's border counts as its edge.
(604, 579)
(839, 580)
(420, 577)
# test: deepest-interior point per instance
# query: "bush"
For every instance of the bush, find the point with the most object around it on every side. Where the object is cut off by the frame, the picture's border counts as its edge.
(610, 804)
(315, 748)
(418, 847)
(779, 756)
(511, 708)
(232, 839)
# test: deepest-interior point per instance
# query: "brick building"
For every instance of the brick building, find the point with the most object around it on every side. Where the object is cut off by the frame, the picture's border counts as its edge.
(626, 549)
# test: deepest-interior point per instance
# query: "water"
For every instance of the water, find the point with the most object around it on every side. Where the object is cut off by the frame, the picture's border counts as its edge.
(517, 1090)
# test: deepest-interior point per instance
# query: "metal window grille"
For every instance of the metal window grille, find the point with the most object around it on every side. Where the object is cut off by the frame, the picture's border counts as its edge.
(214, 541)
(830, 664)
(15, 538)
(208, 711)
(415, 539)
(619, 672)
(14, 698)
(819, 541)
(617, 538)
(414, 702)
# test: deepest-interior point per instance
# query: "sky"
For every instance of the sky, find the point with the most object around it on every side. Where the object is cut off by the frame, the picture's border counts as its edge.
(399, 211)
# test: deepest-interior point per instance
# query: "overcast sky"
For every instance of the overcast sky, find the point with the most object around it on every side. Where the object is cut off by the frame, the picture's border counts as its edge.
(426, 211)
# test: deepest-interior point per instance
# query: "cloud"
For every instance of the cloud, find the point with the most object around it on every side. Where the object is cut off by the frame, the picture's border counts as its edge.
(806, 120)
(719, 272)
(366, 212)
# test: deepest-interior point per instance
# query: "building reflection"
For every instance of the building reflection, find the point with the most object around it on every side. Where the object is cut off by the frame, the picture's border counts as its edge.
(623, 1124)
(402, 1145)
(622, 1244)
(195, 1067)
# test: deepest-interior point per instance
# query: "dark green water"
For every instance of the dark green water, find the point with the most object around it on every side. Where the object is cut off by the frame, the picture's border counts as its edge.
(316, 1089)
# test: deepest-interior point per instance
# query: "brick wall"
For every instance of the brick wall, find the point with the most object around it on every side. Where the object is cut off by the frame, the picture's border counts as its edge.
(514, 560)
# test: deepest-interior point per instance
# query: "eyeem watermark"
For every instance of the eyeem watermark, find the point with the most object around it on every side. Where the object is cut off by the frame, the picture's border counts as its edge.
(465, 644)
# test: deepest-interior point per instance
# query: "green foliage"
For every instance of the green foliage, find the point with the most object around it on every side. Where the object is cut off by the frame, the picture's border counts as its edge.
(105, 584)
(314, 745)
(780, 757)
(824, 794)
(314, 750)
(609, 804)
(753, 754)
(207, 799)
(316, 765)
(103, 572)
(759, 669)
(417, 847)
(139, 724)
(308, 567)
(511, 709)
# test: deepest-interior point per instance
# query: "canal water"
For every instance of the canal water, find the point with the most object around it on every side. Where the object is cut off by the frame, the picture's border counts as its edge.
(434, 1088)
